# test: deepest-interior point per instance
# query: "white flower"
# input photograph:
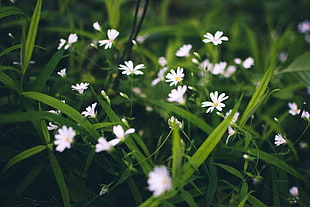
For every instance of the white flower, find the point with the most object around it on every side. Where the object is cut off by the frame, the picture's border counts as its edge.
(293, 108)
(129, 69)
(162, 61)
(175, 77)
(216, 39)
(184, 51)
(219, 68)
(90, 111)
(229, 71)
(305, 114)
(51, 126)
(80, 87)
(247, 63)
(216, 102)
(64, 138)
(54, 111)
(71, 39)
(120, 134)
(112, 35)
(294, 191)
(159, 181)
(177, 95)
(174, 123)
(230, 132)
(103, 145)
(279, 139)
(160, 76)
(235, 117)
(304, 27)
(97, 26)
(205, 65)
(62, 72)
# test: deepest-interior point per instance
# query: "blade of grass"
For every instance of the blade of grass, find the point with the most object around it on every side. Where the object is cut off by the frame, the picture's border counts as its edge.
(207, 146)
(65, 108)
(200, 123)
(31, 36)
(131, 143)
(276, 162)
(258, 96)
(59, 179)
(176, 154)
(23, 155)
(47, 71)
(8, 11)
(9, 82)
(10, 49)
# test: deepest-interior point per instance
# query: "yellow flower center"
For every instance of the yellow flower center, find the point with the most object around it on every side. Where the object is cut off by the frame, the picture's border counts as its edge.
(177, 78)
(67, 139)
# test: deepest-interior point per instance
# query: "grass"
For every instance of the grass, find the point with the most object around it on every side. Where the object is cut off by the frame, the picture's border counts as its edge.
(212, 159)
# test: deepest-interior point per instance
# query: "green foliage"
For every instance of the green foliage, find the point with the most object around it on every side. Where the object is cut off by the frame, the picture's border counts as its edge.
(212, 159)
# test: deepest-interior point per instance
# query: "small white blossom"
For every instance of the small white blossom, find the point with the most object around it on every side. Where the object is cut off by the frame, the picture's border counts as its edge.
(90, 111)
(174, 122)
(97, 26)
(112, 35)
(120, 134)
(219, 68)
(235, 117)
(129, 69)
(247, 63)
(175, 77)
(55, 111)
(229, 71)
(230, 132)
(305, 114)
(62, 72)
(160, 76)
(184, 51)
(64, 138)
(162, 61)
(294, 191)
(304, 27)
(103, 145)
(71, 39)
(216, 39)
(216, 102)
(51, 126)
(80, 87)
(177, 95)
(159, 181)
(293, 109)
(279, 139)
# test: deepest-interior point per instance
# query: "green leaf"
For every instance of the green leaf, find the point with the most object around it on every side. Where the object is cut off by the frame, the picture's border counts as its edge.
(242, 202)
(230, 169)
(10, 49)
(176, 154)
(8, 11)
(59, 179)
(47, 71)
(28, 179)
(9, 82)
(65, 108)
(200, 123)
(31, 36)
(188, 198)
(23, 155)
(208, 145)
(258, 97)
(301, 68)
(276, 162)
(141, 158)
